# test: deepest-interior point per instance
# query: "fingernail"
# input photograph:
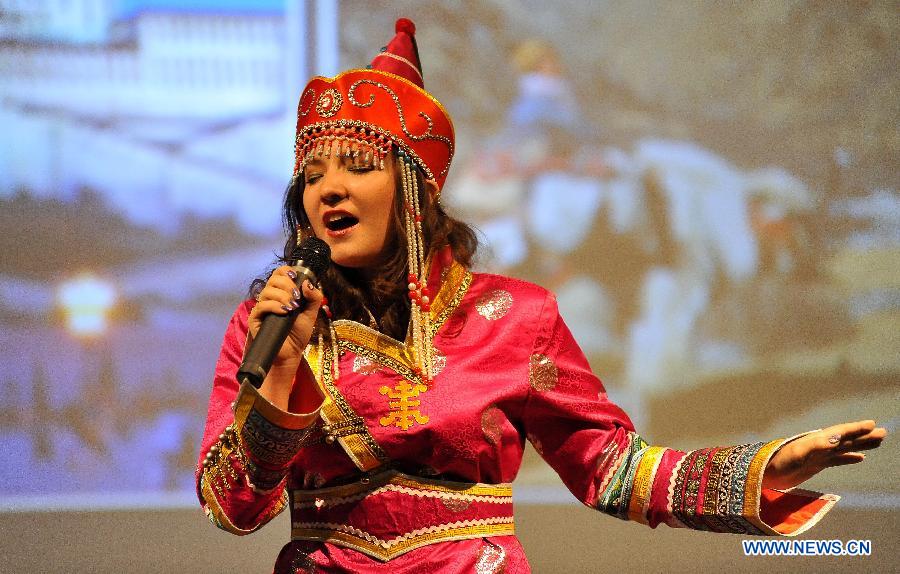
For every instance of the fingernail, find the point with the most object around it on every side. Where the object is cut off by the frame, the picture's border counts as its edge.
(292, 274)
(286, 308)
(296, 293)
(295, 304)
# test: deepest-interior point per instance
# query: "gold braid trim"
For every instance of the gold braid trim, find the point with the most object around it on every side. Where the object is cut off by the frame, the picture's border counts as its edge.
(753, 485)
(643, 484)
(407, 490)
(385, 550)
(431, 488)
(220, 519)
(360, 446)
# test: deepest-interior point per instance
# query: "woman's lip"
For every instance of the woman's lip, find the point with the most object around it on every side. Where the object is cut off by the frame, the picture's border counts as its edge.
(341, 232)
(328, 215)
(332, 212)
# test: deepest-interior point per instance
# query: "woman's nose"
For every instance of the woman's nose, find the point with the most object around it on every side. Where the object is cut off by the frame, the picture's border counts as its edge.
(333, 190)
(332, 197)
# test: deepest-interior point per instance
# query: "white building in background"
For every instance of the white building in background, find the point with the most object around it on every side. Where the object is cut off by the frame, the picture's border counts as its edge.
(56, 20)
(164, 112)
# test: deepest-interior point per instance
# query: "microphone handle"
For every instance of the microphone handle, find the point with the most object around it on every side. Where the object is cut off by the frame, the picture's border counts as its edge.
(263, 349)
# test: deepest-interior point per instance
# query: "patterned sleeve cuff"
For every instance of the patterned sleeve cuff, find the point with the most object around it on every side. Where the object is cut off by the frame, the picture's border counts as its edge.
(269, 438)
(259, 444)
(716, 489)
(721, 490)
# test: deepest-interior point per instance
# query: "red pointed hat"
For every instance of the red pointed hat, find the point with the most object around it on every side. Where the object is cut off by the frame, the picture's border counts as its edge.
(370, 110)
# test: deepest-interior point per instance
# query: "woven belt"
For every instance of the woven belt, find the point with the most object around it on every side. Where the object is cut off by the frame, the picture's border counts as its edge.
(391, 513)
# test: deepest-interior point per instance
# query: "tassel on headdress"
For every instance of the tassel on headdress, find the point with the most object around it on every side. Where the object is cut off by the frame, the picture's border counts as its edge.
(419, 294)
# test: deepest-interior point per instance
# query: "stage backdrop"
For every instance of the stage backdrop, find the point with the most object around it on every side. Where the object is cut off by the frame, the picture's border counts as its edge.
(710, 189)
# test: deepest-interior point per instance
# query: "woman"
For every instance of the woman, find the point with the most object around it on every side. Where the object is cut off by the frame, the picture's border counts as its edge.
(395, 415)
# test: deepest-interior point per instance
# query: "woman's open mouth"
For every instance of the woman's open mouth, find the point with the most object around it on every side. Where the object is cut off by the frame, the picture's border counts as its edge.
(340, 223)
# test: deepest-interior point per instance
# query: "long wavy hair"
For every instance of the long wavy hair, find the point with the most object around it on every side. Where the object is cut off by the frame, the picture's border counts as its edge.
(349, 292)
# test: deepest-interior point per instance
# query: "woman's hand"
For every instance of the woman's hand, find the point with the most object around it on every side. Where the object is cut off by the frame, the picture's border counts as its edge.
(804, 457)
(280, 296)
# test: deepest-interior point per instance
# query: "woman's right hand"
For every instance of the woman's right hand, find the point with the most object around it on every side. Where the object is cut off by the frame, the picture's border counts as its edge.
(280, 296)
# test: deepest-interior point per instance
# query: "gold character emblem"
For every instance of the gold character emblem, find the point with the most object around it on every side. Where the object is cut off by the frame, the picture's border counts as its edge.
(404, 405)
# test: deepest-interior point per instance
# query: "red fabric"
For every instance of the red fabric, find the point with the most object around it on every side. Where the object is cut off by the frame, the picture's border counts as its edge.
(786, 512)
(388, 100)
(487, 367)
(414, 120)
(481, 407)
(403, 45)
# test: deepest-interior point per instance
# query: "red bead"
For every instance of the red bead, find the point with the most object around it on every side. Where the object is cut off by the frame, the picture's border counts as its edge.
(413, 295)
(411, 278)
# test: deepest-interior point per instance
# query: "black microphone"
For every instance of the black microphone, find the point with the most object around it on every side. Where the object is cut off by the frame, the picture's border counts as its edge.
(311, 259)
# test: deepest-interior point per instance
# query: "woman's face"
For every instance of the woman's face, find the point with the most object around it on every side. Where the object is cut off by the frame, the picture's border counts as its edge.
(350, 205)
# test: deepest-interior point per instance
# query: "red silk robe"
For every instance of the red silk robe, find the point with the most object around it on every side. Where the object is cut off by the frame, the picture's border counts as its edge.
(396, 474)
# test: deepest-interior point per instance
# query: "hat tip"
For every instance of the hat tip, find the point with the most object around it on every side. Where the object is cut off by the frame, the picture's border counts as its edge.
(405, 25)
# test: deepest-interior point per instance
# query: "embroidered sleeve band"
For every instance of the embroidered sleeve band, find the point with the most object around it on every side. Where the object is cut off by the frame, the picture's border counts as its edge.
(269, 437)
(250, 458)
(716, 489)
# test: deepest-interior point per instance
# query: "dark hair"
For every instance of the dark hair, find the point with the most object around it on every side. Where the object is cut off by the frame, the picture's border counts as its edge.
(349, 292)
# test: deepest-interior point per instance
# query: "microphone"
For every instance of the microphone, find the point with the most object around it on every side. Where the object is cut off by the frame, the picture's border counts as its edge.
(311, 259)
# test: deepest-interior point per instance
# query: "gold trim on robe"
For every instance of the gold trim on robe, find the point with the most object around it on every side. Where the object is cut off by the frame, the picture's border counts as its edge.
(330, 514)
(336, 412)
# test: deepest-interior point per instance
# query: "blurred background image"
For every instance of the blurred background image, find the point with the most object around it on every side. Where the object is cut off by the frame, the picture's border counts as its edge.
(711, 189)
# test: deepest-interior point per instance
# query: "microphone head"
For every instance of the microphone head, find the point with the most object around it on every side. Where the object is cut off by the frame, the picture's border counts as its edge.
(315, 255)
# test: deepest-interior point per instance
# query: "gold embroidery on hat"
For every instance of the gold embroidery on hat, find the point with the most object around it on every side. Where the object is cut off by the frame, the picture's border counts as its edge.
(426, 135)
(329, 103)
(309, 94)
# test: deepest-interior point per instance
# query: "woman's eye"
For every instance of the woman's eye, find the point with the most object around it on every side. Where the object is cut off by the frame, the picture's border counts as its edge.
(362, 167)
(313, 178)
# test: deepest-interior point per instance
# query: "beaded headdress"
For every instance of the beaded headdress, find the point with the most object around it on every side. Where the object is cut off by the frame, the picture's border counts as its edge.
(371, 112)
(373, 109)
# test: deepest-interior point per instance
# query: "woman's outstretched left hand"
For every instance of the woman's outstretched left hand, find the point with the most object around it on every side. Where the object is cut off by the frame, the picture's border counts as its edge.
(802, 458)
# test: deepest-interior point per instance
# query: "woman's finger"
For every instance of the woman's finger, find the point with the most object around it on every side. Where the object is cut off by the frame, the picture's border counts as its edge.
(311, 293)
(864, 443)
(850, 430)
(283, 282)
(283, 298)
(271, 306)
(845, 459)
